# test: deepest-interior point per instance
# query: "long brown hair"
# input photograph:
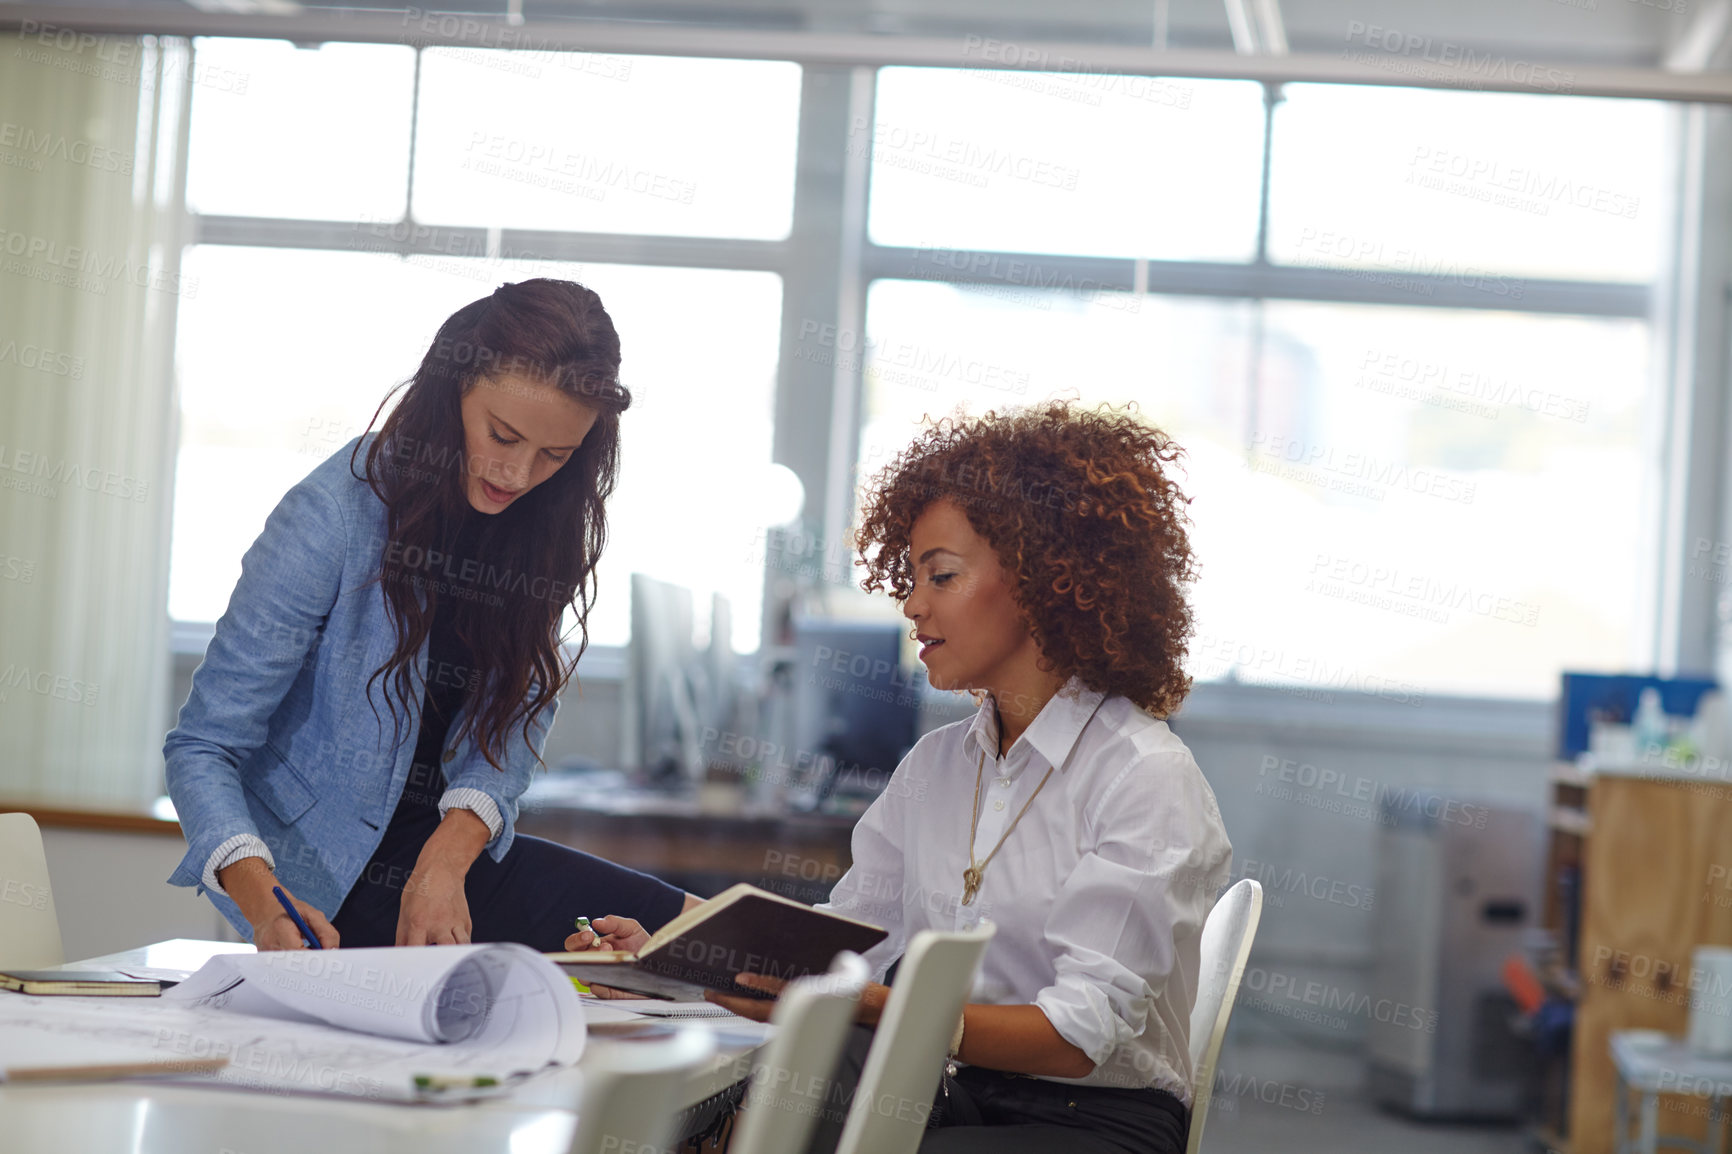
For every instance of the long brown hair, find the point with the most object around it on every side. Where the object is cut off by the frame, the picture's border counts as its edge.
(534, 557)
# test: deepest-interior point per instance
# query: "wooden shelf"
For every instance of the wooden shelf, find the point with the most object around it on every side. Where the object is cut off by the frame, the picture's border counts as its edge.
(111, 820)
(1653, 841)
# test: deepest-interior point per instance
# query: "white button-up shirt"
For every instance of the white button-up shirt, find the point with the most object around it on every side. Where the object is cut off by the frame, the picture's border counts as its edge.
(1098, 894)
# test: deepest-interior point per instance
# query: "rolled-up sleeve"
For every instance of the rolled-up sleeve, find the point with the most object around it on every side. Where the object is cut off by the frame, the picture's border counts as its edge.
(477, 803)
(289, 582)
(242, 845)
(1158, 856)
(872, 889)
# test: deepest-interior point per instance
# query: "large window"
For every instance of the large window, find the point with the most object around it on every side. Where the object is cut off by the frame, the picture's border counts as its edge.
(1366, 324)
(315, 133)
(285, 355)
(1402, 494)
(595, 143)
(1467, 184)
(287, 350)
(1037, 162)
(1388, 493)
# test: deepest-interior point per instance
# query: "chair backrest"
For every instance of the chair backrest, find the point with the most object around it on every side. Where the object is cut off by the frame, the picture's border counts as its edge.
(29, 929)
(790, 1081)
(631, 1091)
(1227, 935)
(894, 1095)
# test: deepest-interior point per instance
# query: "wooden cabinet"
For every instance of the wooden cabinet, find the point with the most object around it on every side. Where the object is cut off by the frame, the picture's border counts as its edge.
(1655, 868)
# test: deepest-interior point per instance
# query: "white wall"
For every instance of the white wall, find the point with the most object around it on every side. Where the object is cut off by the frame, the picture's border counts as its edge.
(1248, 740)
(110, 893)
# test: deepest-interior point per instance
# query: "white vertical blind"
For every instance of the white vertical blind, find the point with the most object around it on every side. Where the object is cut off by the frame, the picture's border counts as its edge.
(92, 179)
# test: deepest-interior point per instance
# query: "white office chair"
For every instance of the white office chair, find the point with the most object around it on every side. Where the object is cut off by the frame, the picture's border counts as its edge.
(894, 1096)
(789, 1083)
(631, 1091)
(1227, 935)
(29, 929)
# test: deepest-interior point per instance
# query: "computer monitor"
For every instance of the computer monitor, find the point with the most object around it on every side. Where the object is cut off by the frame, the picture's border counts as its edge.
(856, 711)
(660, 742)
(678, 700)
(718, 671)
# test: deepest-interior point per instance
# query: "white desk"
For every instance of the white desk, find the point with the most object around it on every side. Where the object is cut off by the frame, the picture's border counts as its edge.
(1651, 1063)
(142, 1117)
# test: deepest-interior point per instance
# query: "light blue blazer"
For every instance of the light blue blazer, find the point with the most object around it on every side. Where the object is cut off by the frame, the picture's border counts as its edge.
(277, 738)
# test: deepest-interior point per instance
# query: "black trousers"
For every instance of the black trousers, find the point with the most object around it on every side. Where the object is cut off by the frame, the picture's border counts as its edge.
(531, 896)
(983, 1111)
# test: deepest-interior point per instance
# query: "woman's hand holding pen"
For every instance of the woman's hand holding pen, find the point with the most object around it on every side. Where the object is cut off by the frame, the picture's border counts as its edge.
(281, 933)
(249, 883)
(616, 933)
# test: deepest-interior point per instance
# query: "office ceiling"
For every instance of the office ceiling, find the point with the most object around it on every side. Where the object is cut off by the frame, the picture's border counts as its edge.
(1610, 32)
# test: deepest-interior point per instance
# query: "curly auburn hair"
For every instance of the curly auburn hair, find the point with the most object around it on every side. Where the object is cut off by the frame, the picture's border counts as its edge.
(1080, 510)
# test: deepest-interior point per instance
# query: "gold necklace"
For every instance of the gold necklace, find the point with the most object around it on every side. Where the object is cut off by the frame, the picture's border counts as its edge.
(971, 875)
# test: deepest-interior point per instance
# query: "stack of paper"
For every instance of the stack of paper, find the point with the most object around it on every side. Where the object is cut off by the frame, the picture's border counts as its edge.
(469, 1021)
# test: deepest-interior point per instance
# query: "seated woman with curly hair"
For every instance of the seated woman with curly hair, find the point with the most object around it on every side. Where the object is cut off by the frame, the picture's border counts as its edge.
(1042, 557)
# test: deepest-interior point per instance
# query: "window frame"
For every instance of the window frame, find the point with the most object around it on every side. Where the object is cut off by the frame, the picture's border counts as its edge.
(828, 262)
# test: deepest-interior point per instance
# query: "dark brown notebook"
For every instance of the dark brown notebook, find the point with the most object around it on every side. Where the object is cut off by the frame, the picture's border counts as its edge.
(743, 929)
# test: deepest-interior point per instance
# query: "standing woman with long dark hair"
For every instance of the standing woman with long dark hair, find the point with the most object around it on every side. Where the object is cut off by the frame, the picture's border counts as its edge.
(427, 588)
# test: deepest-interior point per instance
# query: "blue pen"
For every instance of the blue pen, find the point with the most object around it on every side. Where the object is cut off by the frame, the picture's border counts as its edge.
(295, 916)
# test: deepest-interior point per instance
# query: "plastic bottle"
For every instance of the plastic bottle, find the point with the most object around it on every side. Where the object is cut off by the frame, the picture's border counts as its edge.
(1711, 725)
(1649, 723)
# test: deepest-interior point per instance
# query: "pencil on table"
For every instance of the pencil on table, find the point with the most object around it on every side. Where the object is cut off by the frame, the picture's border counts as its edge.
(109, 1072)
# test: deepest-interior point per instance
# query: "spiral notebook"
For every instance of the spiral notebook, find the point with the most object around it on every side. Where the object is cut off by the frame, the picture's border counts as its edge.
(651, 1008)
